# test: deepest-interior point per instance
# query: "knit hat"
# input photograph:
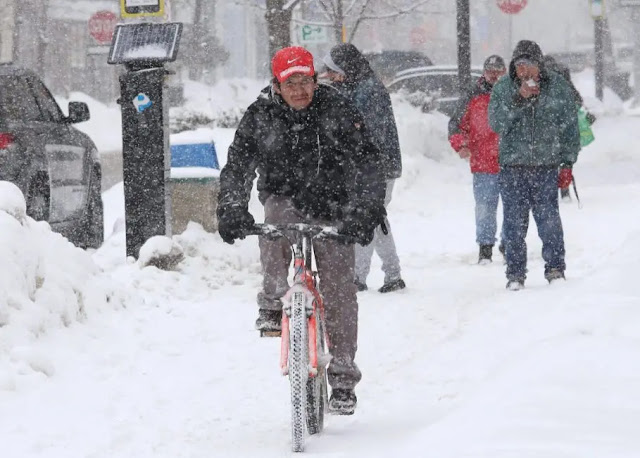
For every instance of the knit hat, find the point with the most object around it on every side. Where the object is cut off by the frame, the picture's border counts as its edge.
(494, 62)
(291, 61)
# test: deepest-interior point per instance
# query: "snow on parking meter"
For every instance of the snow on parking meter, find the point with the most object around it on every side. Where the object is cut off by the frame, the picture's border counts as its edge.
(143, 48)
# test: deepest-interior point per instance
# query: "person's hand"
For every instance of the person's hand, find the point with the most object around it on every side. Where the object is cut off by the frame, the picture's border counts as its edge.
(529, 88)
(360, 224)
(464, 153)
(233, 223)
(565, 177)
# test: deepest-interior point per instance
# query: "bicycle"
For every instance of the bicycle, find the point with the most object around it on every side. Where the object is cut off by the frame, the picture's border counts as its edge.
(304, 354)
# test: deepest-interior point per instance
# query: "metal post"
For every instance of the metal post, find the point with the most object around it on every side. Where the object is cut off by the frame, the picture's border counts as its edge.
(636, 57)
(339, 25)
(599, 52)
(464, 44)
(510, 45)
(145, 156)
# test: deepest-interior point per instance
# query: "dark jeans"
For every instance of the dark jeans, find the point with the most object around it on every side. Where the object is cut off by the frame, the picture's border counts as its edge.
(534, 189)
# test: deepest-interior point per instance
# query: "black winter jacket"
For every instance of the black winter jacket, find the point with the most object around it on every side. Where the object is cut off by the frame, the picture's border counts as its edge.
(322, 157)
(370, 96)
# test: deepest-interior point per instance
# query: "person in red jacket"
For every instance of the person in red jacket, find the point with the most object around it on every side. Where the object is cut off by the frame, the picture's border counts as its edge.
(471, 136)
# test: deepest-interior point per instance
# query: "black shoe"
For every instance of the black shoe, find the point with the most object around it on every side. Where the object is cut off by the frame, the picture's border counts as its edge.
(361, 286)
(565, 195)
(554, 274)
(486, 252)
(501, 249)
(342, 401)
(394, 285)
(269, 321)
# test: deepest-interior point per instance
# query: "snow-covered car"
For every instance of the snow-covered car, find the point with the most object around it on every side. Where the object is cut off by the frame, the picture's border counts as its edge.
(389, 62)
(431, 88)
(56, 166)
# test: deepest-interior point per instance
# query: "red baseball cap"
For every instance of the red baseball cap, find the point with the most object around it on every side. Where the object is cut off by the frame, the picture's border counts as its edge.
(290, 61)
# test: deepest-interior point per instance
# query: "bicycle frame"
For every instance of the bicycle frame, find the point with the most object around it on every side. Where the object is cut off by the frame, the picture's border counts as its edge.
(304, 337)
(304, 282)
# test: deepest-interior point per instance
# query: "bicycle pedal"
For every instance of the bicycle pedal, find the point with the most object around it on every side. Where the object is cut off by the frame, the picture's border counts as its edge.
(270, 333)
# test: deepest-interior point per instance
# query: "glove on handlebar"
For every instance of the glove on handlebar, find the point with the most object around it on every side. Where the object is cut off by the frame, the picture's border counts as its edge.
(361, 223)
(233, 223)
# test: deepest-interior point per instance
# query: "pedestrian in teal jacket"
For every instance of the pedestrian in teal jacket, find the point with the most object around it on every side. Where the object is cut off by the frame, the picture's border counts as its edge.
(534, 113)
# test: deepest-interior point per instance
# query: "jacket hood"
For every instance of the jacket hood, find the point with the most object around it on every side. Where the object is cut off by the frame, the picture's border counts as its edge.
(348, 58)
(530, 50)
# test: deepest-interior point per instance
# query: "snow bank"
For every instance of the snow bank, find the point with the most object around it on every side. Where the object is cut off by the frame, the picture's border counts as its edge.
(586, 84)
(221, 105)
(45, 283)
(105, 125)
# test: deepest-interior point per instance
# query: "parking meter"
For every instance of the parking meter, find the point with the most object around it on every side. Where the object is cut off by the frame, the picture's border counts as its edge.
(143, 48)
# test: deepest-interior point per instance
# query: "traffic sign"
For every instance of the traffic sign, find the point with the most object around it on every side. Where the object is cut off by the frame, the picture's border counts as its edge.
(511, 6)
(101, 26)
(142, 8)
(596, 8)
(313, 34)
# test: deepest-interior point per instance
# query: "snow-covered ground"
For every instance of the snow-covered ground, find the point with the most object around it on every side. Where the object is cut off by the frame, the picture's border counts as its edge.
(102, 358)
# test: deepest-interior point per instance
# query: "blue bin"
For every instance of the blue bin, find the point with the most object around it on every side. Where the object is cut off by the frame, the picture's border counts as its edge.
(194, 155)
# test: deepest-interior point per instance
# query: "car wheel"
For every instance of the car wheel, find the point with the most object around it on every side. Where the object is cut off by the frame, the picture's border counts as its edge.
(39, 198)
(93, 234)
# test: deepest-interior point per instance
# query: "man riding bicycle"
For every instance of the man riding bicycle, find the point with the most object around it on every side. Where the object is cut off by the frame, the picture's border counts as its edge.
(316, 165)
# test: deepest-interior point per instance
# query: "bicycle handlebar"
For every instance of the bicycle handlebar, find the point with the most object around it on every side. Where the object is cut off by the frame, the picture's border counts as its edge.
(310, 230)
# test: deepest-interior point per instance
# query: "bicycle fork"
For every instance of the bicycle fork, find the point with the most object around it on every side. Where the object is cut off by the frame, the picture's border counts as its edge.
(299, 297)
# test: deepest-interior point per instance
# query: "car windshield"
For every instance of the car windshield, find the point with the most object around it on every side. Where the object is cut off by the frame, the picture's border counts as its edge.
(17, 101)
(444, 83)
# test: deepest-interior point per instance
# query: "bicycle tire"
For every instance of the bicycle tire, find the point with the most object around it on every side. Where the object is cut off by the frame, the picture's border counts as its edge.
(298, 370)
(317, 390)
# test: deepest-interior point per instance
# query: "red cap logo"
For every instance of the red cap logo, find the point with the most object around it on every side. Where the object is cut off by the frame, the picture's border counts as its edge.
(290, 61)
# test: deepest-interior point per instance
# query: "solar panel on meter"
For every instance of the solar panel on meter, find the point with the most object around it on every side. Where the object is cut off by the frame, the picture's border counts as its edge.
(145, 42)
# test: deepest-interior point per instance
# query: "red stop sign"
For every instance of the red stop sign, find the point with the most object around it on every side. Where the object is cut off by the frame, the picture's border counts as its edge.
(511, 6)
(101, 26)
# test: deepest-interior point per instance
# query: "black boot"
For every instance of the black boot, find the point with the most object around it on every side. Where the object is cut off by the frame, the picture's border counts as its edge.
(393, 285)
(269, 322)
(486, 251)
(361, 286)
(343, 401)
(554, 274)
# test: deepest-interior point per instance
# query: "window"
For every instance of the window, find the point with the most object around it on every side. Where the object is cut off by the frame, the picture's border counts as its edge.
(48, 106)
(17, 101)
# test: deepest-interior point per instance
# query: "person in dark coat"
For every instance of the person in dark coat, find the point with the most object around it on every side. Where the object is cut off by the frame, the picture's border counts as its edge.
(350, 73)
(471, 136)
(317, 165)
(553, 65)
(534, 113)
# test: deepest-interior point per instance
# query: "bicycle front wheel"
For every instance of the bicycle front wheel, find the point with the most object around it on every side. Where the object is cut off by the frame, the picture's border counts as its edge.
(298, 370)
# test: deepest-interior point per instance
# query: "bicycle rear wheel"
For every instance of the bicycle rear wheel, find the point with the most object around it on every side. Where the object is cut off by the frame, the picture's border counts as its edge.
(298, 370)
(317, 391)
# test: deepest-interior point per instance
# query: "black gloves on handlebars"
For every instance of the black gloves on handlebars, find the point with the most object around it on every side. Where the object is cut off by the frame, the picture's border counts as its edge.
(360, 223)
(234, 222)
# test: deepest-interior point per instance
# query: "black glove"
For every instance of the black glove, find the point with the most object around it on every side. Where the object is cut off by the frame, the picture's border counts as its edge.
(361, 223)
(591, 118)
(234, 222)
